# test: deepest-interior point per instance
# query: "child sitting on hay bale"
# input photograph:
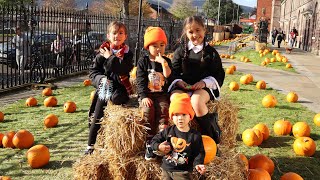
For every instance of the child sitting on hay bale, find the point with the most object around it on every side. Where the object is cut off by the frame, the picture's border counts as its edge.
(182, 146)
(110, 76)
(153, 72)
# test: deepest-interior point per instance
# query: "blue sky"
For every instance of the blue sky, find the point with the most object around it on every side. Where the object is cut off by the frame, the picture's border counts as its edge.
(251, 3)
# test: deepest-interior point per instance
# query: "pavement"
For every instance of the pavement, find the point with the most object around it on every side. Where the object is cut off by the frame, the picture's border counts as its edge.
(306, 83)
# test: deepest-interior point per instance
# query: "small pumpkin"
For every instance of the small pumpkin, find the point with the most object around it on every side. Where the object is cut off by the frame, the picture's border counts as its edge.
(234, 86)
(229, 70)
(92, 95)
(291, 176)
(47, 92)
(250, 78)
(316, 119)
(245, 161)
(5, 178)
(23, 139)
(1, 116)
(1, 137)
(258, 174)
(87, 82)
(269, 101)
(292, 97)
(50, 101)
(273, 60)
(31, 101)
(51, 120)
(282, 127)
(301, 129)
(249, 137)
(7, 139)
(263, 129)
(261, 161)
(260, 137)
(304, 146)
(38, 156)
(288, 65)
(261, 84)
(210, 148)
(244, 80)
(233, 67)
(69, 107)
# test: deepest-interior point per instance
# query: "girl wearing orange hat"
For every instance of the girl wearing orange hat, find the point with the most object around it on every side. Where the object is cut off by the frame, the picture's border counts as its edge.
(197, 69)
(153, 71)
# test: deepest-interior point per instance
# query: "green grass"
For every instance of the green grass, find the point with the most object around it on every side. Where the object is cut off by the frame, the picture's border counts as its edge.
(68, 140)
(256, 59)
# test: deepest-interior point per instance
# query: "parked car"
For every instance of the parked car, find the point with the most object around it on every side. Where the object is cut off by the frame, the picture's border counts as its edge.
(96, 39)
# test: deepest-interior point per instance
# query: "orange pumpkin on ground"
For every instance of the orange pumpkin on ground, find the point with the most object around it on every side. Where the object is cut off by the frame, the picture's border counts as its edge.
(1, 116)
(5, 178)
(50, 101)
(261, 161)
(244, 160)
(23, 139)
(250, 78)
(292, 97)
(1, 137)
(51, 120)
(282, 127)
(249, 137)
(291, 176)
(259, 135)
(234, 86)
(263, 63)
(233, 67)
(304, 146)
(301, 129)
(244, 80)
(38, 156)
(316, 119)
(258, 174)
(273, 60)
(229, 70)
(47, 92)
(31, 101)
(69, 107)
(263, 129)
(232, 57)
(269, 101)
(7, 139)
(92, 95)
(261, 85)
(288, 65)
(87, 82)
(210, 147)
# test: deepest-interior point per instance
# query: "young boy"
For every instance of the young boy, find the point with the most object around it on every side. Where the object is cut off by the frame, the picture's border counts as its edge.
(182, 146)
(153, 71)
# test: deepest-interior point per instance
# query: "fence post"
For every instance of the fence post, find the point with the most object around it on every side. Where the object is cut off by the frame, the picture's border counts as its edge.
(136, 51)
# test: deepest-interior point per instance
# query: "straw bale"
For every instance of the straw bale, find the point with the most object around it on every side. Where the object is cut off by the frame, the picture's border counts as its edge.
(147, 170)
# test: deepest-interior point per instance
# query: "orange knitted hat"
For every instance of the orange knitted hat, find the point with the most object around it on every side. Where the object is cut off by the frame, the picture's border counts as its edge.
(181, 103)
(154, 34)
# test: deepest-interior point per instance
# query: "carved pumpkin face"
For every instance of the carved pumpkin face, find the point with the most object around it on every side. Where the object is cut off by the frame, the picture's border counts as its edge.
(179, 144)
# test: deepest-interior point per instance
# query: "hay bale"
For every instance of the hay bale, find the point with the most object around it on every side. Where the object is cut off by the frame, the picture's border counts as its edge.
(147, 170)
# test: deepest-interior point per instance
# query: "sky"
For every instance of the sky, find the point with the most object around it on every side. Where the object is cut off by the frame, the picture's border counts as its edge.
(250, 3)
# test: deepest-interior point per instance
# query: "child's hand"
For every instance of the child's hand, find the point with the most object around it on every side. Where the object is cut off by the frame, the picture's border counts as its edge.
(201, 168)
(164, 147)
(199, 85)
(147, 102)
(105, 52)
(159, 59)
(183, 85)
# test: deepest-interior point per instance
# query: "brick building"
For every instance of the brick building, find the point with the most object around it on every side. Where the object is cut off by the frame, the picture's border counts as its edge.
(264, 10)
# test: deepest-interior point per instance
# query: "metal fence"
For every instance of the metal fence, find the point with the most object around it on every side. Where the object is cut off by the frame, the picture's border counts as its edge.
(28, 58)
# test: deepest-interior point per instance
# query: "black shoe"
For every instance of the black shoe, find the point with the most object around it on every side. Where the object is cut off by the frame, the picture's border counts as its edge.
(88, 151)
(149, 153)
(216, 134)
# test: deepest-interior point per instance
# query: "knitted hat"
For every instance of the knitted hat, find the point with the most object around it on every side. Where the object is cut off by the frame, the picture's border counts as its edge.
(181, 103)
(154, 34)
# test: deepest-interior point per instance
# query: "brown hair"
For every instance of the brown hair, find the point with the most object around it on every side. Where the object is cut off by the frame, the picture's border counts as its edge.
(117, 25)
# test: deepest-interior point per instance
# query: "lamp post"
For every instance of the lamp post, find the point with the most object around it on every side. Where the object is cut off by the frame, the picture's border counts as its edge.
(219, 12)
(136, 51)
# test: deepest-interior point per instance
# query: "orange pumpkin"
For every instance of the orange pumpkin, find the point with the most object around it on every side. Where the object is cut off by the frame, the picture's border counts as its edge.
(244, 80)
(261, 85)
(291, 176)
(133, 73)
(250, 78)
(273, 60)
(233, 67)
(316, 119)
(23, 139)
(304, 146)
(51, 120)
(5, 178)
(1, 116)
(38, 156)
(47, 92)
(249, 137)
(50, 101)
(1, 137)
(7, 139)
(229, 70)
(244, 160)
(69, 107)
(288, 65)
(31, 101)
(263, 129)
(258, 174)
(263, 63)
(292, 97)
(282, 127)
(232, 57)
(234, 86)
(259, 135)
(92, 95)
(210, 148)
(87, 82)
(269, 101)
(261, 161)
(301, 129)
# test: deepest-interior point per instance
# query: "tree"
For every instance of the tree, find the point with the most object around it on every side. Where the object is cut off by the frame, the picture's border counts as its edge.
(60, 4)
(126, 7)
(15, 2)
(182, 9)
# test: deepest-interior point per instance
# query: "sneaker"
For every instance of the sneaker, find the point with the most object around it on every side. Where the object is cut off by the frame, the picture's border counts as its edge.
(88, 151)
(149, 153)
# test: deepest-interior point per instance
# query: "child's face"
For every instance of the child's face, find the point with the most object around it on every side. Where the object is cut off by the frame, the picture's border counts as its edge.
(117, 36)
(156, 48)
(195, 33)
(181, 120)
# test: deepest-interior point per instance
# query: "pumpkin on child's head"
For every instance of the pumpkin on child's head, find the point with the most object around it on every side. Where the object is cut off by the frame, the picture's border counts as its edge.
(210, 147)
(69, 107)
(31, 101)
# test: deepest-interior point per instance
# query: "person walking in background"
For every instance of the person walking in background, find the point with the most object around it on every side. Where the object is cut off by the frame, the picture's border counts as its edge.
(76, 47)
(280, 37)
(57, 47)
(293, 35)
(274, 34)
(21, 43)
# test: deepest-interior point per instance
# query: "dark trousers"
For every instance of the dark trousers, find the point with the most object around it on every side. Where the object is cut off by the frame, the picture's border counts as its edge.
(273, 40)
(279, 42)
(181, 175)
(119, 96)
(158, 113)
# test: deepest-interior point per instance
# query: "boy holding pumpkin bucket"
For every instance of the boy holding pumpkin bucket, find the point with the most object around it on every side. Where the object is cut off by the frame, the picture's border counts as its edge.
(153, 73)
(182, 146)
